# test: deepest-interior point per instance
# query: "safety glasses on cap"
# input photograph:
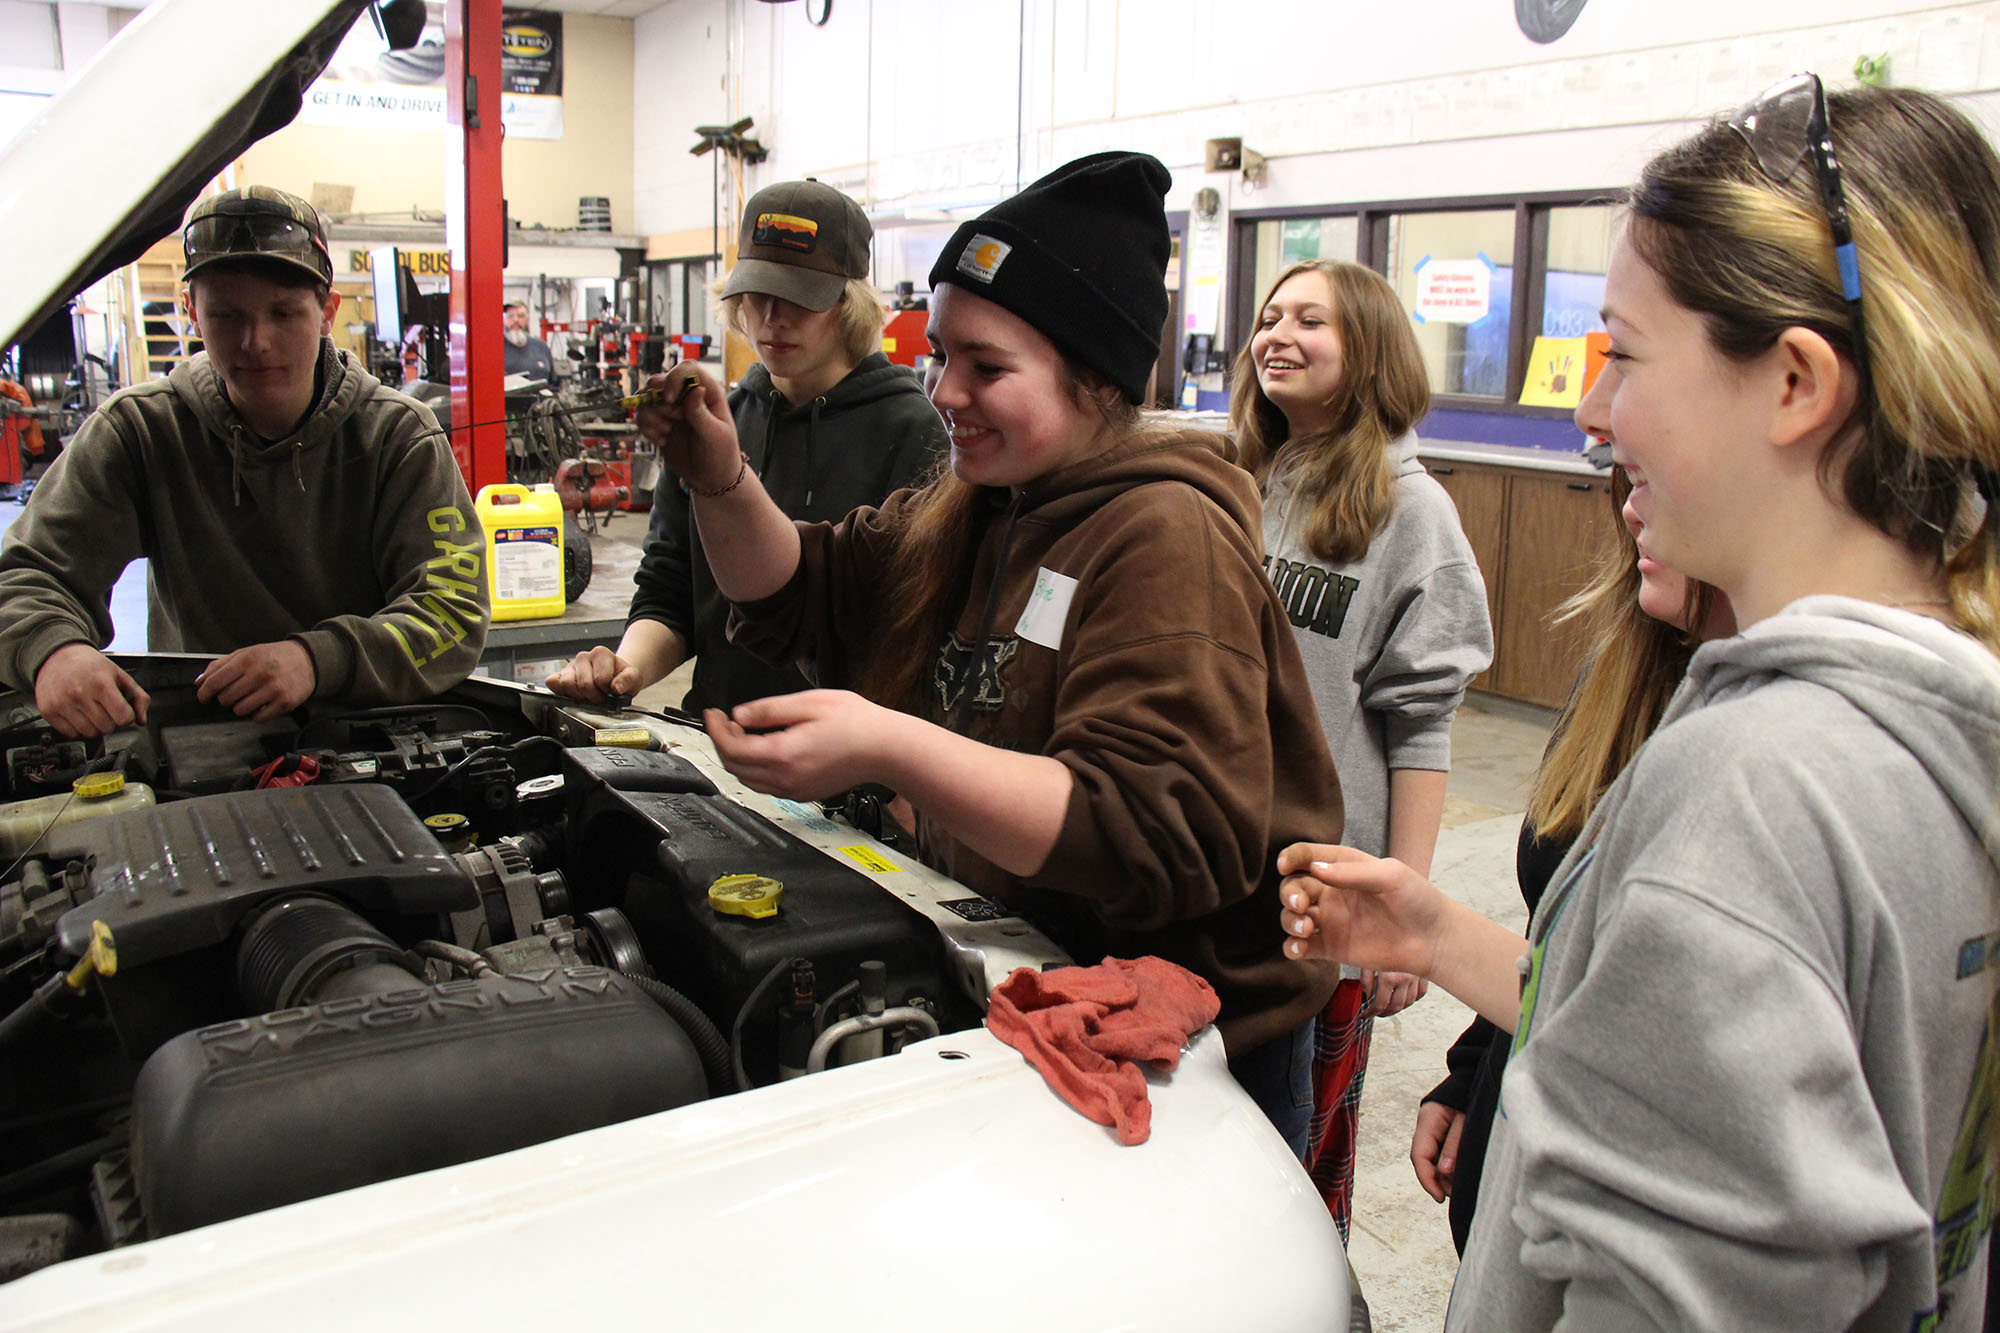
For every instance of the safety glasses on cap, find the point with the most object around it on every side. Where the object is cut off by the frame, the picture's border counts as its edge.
(274, 235)
(1785, 126)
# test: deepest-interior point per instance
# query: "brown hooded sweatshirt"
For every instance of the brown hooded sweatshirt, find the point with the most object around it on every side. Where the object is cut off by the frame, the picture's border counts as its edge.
(1165, 677)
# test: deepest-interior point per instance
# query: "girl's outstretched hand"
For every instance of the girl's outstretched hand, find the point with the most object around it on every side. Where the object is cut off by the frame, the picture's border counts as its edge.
(1350, 907)
(802, 746)
(692, 427)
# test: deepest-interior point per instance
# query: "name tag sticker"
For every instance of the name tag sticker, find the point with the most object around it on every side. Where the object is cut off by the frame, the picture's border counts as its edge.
(1048, 608)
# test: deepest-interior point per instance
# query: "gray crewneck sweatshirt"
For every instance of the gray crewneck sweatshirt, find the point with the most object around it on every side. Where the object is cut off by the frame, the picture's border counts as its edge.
(1747, 1089)
(1390, 641)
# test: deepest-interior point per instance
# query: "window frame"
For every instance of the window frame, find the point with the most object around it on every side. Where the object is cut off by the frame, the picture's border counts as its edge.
(1531, 264)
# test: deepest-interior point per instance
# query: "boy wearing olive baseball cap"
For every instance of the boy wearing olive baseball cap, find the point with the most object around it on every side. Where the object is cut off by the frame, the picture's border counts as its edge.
(303, 522)
(802, 242)
(823, 418)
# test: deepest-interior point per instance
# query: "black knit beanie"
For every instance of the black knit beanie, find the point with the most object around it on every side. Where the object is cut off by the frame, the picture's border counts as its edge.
(1082, 256)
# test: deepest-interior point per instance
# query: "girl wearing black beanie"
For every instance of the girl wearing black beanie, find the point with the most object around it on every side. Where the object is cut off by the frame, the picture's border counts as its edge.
(1063, 652)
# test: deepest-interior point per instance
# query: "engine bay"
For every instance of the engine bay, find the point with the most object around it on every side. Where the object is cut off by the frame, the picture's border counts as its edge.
(245, 964)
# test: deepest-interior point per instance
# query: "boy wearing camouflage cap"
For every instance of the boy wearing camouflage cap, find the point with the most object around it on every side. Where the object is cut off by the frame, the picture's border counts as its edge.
(302, 520)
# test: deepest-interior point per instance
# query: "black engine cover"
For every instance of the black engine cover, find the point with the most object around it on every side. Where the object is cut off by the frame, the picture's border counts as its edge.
(265, 1111)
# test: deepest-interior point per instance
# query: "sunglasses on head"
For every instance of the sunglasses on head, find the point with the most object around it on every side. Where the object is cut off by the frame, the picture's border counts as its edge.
(253, 234)
(1783, 127)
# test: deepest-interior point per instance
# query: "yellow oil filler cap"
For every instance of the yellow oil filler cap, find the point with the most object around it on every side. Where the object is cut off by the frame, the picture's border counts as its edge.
(97, 786)
(755, 896)
(453, 831)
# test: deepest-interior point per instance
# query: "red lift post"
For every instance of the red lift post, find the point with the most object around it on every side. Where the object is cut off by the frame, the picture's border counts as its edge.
(475, 229)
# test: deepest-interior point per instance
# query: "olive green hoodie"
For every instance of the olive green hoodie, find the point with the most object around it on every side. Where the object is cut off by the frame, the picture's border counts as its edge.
(354, 536)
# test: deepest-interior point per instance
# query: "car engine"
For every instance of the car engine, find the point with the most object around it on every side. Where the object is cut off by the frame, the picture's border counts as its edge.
(349, 945)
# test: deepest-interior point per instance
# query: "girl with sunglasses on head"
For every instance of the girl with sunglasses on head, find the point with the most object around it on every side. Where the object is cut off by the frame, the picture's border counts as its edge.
(1640, 622)
(1063, 653)
(1385, 599)
(1752, 1077)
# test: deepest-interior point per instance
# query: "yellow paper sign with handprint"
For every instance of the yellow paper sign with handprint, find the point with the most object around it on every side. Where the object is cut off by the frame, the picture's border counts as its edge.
(1555, 373)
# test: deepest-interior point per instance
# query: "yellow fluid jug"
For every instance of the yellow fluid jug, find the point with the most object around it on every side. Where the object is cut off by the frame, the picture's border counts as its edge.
(25, 824)
(524, 550)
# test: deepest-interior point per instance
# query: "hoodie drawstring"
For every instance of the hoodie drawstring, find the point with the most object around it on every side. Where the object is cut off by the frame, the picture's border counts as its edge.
(236, 465)
(812, 442)
(298, 469)
(978, 681)
(770, 459)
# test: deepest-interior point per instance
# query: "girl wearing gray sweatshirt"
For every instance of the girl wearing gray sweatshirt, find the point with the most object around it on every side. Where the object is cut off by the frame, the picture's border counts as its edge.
(1753, 1067)
(1385, 600)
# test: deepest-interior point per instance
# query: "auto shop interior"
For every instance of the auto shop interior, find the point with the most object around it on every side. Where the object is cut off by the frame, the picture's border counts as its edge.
(596, 163)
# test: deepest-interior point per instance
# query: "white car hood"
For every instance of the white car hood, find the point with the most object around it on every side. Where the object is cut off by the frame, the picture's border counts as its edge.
(944, 1187)
(85, 188)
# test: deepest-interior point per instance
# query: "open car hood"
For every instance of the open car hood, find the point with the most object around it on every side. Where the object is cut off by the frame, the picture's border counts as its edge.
(85, 189)
(534, 1142)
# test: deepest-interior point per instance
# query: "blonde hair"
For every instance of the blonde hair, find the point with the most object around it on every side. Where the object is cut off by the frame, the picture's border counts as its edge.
(1754, 257)
(1343, 472)
(859, 312)
(1632, 665)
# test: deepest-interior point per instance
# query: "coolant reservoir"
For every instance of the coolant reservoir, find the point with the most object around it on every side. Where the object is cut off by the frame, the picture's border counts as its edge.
(24, 824)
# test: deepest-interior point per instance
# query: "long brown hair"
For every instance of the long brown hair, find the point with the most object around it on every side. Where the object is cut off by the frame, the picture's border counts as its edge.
(930, 558)
(1632, 665)
(1754, 257)
(1343, 472)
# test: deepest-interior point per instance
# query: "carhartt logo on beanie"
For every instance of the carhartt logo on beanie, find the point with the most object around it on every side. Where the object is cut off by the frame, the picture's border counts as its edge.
(982, 257)
(1082, 256)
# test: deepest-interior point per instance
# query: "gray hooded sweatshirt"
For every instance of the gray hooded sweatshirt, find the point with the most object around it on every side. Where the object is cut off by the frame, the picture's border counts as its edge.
(1751, 1086)
(1390, 641)
(354, 536)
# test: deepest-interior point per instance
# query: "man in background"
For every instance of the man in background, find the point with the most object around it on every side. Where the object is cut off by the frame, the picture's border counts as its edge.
(526, 354)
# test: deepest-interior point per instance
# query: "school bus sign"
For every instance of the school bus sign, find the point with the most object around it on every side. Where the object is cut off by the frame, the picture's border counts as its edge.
(422, 263)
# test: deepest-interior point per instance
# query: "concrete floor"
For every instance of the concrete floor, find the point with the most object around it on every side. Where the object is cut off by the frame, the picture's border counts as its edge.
(1400, 1248)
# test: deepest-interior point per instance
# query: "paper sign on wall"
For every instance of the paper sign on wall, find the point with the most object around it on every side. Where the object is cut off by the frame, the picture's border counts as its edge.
(367, 87)
(1596, 350)
(1555, 373)
(1453, 291)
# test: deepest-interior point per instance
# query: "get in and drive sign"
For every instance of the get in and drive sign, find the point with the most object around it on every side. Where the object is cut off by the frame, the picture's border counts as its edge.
(1454, 291)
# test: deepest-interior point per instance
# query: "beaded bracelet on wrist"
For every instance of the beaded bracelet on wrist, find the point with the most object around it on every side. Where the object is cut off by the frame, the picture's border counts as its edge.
(741, 472)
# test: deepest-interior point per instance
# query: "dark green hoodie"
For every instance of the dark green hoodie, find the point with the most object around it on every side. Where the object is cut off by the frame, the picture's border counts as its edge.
(354, 536)
(869, 435)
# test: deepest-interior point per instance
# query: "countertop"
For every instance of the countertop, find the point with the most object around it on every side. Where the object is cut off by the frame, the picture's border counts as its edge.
(1442, 451)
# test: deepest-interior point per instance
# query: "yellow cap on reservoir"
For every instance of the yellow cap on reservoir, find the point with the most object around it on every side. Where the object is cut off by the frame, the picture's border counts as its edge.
(755, 896)
(97, 786)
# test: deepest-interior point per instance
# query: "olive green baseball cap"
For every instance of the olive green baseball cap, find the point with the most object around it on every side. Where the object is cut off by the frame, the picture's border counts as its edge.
(801, 242)
(261, 223)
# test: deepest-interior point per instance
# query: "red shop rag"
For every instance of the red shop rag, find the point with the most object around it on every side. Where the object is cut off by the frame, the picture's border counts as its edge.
(1086, 1029)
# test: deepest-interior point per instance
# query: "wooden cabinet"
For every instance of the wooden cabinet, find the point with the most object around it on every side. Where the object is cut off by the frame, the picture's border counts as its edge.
(1537, 536)
(1481, 496)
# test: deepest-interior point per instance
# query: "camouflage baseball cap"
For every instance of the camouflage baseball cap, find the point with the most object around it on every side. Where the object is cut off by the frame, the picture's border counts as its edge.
(801, 242)
(257, 222)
